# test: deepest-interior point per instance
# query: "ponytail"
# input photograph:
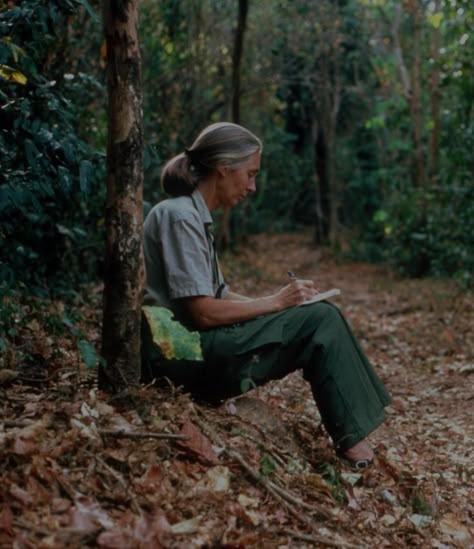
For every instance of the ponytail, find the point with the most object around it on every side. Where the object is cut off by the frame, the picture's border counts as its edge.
(178, 177)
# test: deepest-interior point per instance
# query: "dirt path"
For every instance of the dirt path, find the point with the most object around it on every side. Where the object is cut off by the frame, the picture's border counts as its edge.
(419, 336)
(258, 471)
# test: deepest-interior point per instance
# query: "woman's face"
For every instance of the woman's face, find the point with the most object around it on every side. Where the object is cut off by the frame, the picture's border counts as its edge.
(237, 183)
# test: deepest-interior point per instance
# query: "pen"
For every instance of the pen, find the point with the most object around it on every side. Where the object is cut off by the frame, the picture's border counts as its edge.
(292, 276)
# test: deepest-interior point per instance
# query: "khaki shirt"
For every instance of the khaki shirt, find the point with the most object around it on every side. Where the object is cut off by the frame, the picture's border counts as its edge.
(180, 258)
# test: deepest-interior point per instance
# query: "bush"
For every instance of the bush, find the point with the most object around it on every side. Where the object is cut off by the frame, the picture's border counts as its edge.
(431, 233)
(50, 196)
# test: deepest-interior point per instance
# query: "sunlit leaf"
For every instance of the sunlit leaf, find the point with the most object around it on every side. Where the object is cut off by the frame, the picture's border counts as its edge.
(174, 340)
(12, 75)
(435, 19)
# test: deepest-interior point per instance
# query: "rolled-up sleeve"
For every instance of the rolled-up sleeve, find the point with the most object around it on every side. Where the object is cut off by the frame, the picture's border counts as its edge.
(187, 260)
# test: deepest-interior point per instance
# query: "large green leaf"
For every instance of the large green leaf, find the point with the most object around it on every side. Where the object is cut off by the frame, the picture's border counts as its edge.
(174, 340)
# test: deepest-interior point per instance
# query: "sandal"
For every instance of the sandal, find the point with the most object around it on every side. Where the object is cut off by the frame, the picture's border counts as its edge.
(356, 465)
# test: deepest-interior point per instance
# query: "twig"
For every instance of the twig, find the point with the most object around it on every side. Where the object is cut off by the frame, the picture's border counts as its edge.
(121, 481)
(271, 450)
(278, 493)
(321, 540)
(10, 424)
(293, 499)
(122, 433)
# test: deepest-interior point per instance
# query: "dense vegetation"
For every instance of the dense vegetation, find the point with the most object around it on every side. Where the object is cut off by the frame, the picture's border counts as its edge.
(364, 106)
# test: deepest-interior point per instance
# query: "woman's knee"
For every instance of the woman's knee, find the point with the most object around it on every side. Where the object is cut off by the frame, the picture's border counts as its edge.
(326, 313)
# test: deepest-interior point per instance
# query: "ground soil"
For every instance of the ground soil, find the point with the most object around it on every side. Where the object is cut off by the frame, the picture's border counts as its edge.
(82, 469)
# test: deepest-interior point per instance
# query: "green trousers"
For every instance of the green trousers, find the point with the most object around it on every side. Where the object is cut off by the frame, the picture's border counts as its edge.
(315, 338)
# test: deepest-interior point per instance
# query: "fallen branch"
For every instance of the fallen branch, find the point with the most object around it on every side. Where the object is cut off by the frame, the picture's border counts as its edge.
(11, 424)
(293, 499)
(122, 433)
(278, 493)
(321, 540)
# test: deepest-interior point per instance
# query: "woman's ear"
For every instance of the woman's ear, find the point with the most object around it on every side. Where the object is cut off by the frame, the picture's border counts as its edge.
(221, 170)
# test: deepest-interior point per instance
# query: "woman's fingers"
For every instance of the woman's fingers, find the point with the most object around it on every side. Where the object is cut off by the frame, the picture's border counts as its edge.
(298, 292)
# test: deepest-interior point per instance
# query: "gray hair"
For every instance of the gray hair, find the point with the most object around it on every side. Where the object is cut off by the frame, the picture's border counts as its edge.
(223, 143)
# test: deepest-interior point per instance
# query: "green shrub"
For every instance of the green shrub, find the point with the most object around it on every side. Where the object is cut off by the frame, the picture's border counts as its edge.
(431, 233)
(50, 183)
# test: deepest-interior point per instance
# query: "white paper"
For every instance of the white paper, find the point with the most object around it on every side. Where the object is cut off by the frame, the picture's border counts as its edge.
(321, 296)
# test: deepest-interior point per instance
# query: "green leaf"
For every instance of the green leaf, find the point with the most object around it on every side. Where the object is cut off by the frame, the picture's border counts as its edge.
(267, 465)
(32, 153)
(435, 19)
(65, 179)
(85, 175)
(174, 340)
(89, 9)
(88, 353)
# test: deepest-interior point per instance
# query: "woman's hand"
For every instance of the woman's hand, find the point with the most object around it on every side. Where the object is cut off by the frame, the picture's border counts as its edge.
(295, 293)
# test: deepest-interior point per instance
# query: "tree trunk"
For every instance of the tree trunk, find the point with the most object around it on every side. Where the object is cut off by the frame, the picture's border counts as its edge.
(224, 231)
(435, 102)
(411, 85)
(319, 232)
(326, 97)
(334, 191)
(322, 196)
(124, 272)
(415, 103)
(237, 59)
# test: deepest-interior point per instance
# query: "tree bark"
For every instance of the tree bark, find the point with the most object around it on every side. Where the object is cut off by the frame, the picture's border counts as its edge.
(124, 271)
(237, 59)
(411, 83)
(224, 231)
(435, 102)
(415, 104)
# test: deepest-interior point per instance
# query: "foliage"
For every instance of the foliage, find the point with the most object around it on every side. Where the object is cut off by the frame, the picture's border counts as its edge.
(301, 61)
(431, 233)
(423, 230)
(50, 201)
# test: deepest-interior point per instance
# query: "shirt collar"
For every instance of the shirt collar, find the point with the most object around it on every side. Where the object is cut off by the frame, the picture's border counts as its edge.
(201, 207)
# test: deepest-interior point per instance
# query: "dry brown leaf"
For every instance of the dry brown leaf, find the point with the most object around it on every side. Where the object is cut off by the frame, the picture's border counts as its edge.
(132, 531)
(88, 516)
(6, 527)
(198, 444)
(21, 495)
(457, 532)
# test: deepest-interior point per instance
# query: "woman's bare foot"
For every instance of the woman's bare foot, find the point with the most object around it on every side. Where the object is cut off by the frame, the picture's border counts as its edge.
(360, 451)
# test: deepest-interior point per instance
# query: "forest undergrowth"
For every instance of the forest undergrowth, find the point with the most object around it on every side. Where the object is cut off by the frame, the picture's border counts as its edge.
(80, 469)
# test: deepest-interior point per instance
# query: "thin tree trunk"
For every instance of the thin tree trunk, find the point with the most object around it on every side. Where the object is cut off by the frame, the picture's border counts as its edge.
(237, 59)
(224, 231)
(318, 226)
(411, 85)
(435, 101)
(415, 104)
(334, 191)
(124, 273)
(397, 50)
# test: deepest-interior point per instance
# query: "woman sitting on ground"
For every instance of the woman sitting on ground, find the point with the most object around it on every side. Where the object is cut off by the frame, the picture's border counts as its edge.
(243, 338)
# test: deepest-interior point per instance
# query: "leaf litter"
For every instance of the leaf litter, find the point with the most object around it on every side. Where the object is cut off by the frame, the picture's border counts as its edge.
(80, 470)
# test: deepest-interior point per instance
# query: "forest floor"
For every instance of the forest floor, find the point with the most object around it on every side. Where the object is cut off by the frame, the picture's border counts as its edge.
(79, 469)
